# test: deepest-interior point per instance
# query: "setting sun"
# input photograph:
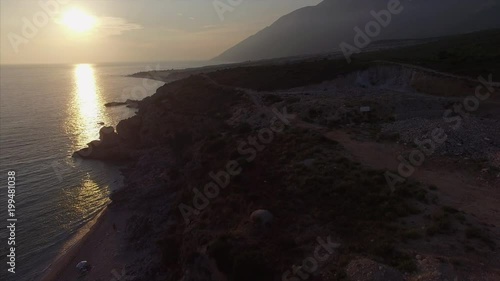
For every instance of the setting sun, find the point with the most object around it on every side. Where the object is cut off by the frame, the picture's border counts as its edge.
(78, 20)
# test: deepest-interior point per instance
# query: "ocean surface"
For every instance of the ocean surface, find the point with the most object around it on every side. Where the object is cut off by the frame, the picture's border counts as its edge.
(46, 113)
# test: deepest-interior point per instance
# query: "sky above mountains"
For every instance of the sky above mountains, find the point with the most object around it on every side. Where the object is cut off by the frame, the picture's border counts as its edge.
(77, 31)
(84, 31)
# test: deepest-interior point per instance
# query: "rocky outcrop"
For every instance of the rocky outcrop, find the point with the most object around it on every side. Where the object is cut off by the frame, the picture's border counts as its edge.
(128, 129)
(129, 103)
(161, 121)
(108, 137)
(109, 147)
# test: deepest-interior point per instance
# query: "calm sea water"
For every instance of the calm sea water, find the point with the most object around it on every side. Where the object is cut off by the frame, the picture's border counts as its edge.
(46, 113)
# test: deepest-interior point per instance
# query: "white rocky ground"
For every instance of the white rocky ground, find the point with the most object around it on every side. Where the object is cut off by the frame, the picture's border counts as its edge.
(413, 114)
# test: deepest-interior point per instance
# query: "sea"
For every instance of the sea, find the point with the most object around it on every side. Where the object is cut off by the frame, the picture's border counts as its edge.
(46, 113)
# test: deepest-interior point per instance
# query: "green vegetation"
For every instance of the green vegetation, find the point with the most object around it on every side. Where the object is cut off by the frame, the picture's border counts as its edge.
(286, 76)
(450, 210)
(441, 224)
(354, 200)
(479, 234)
(412, 234)
(471, 54)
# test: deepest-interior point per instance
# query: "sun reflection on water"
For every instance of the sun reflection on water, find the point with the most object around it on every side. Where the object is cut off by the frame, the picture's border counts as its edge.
(88, 198)
(86, 91)
(87, 107)
(85, 194)
(83, 201)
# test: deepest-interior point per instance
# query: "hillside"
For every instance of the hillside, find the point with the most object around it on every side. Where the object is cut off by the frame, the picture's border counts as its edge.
(321, 28)
(468, 55)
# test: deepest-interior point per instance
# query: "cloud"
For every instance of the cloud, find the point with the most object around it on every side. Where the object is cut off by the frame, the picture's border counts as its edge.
(114, 26)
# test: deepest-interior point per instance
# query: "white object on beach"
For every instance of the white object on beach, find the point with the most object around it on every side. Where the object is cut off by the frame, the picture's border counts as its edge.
(83, 266)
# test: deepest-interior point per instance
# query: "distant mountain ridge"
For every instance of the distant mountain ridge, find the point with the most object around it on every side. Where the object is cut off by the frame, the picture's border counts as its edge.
(321, 28)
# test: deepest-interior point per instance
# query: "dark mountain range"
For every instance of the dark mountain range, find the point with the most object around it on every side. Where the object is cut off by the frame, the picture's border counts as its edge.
(321, 28)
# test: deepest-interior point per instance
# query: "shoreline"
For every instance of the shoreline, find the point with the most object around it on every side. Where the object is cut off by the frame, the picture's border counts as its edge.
(71, 248)
(101, 245)
(83, 237)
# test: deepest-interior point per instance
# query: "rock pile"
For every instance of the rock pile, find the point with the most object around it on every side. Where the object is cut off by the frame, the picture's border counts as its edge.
(474, 138)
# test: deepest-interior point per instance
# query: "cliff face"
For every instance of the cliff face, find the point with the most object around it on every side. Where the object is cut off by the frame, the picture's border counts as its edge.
(322, 28)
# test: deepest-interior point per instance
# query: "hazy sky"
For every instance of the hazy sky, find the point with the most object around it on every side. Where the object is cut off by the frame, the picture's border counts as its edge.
(132, 30)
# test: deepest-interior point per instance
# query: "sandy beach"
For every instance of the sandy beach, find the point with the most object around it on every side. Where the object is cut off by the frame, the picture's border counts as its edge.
(100, 244)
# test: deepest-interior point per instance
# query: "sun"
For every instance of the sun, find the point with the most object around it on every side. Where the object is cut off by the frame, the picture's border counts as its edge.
(78, 21)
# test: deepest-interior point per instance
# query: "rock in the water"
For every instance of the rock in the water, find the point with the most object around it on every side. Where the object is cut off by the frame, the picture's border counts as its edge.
(129, 103)
(262, 217)
(114, 103)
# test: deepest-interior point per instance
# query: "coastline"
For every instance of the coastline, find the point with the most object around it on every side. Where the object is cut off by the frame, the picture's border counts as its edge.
(72, 247)
(98, 243)
(86, 235)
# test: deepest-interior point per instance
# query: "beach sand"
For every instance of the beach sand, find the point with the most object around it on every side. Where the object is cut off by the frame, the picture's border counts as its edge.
(100, 244)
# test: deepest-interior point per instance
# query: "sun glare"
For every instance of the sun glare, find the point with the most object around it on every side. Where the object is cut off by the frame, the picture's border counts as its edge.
(78, 21)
